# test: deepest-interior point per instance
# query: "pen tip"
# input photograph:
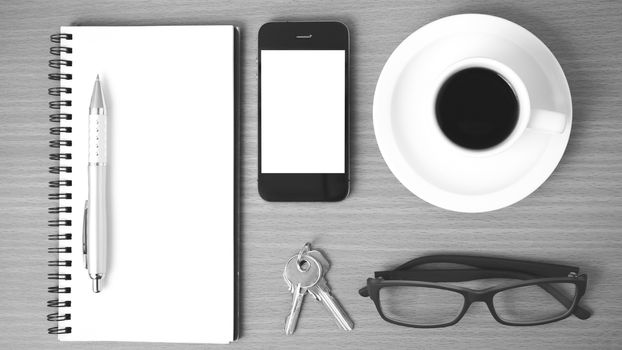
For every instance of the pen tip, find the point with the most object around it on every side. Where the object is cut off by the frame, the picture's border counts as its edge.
(97, 98)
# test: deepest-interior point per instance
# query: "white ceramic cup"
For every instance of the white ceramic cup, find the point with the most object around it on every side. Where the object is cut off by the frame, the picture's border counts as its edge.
(528, 116)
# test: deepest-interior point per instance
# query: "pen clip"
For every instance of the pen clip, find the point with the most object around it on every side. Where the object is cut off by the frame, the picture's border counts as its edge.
(84, 235)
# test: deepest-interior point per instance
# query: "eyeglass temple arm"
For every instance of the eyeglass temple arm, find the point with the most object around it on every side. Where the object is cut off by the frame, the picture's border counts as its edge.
(535, 268)
(540, 269)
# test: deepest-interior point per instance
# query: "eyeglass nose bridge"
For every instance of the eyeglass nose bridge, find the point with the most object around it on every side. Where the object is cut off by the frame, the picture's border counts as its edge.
(484, 296)
(481, 296)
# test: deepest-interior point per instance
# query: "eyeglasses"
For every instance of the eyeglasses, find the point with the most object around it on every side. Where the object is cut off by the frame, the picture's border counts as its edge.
(529, 294)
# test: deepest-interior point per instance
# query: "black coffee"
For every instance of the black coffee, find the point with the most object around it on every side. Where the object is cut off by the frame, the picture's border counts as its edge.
(476, 108)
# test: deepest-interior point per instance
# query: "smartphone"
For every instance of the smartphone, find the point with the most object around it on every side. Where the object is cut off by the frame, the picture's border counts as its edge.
(303, 72)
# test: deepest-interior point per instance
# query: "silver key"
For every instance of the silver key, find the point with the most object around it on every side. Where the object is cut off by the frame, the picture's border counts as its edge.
(321, 292)
(301, 253)
(299, 276)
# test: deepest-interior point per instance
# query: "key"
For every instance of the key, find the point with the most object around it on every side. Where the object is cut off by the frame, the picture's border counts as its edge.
(302, 252)
(321, 292)
(299, 276)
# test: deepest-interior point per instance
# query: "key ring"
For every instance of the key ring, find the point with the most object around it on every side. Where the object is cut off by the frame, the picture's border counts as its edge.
(305, 249)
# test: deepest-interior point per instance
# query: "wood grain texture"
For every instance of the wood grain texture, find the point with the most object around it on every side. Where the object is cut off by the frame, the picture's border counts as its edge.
(575, 217)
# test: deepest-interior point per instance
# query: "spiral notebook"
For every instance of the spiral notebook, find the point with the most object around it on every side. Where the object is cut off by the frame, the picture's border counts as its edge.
(171, 94)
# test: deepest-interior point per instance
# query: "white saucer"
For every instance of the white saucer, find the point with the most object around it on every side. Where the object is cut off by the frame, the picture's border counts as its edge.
(403, 115)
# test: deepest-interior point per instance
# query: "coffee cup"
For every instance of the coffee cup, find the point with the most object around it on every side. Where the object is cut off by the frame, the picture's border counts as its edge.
(483, 106)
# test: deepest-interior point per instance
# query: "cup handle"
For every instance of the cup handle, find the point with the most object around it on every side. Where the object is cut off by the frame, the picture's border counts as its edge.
(547, 121)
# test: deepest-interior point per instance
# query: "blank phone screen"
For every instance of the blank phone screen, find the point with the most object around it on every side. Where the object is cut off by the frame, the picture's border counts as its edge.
(303, 111)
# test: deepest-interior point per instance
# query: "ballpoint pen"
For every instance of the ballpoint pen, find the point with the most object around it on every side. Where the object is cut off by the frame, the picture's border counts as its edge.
(96, 215)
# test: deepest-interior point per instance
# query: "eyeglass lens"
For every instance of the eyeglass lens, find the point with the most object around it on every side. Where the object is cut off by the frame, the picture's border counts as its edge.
(534, 303)
(420, 305)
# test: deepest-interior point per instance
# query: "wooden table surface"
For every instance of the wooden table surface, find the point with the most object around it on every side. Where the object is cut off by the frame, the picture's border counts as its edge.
(574, 218)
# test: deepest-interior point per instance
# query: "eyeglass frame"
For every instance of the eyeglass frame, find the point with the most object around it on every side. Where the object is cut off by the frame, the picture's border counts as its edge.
(527, 272)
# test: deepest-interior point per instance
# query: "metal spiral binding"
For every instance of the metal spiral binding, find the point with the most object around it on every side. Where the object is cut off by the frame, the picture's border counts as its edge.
(62, 185)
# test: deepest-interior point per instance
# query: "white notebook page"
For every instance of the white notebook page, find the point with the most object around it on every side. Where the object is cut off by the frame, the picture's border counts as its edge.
(170, 97)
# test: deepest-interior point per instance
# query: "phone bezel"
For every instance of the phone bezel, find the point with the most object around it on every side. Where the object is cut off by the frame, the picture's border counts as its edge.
(305, 186)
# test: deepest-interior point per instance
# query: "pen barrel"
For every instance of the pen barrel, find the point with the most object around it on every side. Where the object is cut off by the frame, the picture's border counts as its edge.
(97, 228)
(98, 125)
